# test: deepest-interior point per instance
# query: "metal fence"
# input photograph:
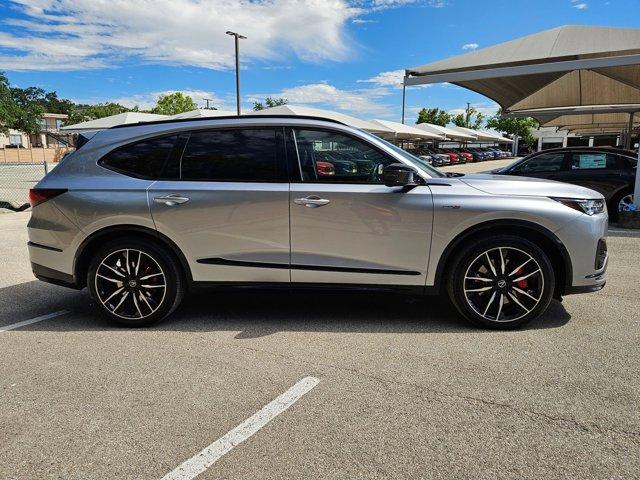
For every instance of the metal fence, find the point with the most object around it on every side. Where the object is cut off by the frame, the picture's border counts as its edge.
(15, 181)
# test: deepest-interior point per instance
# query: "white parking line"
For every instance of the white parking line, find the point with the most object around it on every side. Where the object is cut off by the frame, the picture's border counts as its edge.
(211, 454)
(13, 326)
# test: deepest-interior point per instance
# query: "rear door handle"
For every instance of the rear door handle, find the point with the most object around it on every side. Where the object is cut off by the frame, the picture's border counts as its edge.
(171, 199)
(312, 201)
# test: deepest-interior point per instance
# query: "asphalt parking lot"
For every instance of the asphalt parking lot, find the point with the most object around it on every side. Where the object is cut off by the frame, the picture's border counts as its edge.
(400, 387)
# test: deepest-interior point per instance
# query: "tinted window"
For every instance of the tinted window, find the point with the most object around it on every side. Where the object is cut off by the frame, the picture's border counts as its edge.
(333, 157)
(144, 159)
(546, 162)
(242, 155)
(593, 161)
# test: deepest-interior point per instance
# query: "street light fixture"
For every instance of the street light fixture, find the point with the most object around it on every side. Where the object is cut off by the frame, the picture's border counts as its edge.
(238, 37)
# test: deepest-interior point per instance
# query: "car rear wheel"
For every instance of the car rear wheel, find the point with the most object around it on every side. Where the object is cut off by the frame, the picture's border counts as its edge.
(501, 282)
(618, 203)
(135, 283)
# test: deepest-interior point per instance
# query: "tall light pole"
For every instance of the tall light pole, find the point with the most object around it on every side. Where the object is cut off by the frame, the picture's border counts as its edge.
(238, 37)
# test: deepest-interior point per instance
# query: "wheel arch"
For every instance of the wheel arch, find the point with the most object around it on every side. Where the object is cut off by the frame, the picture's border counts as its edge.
(541, 236)
(90, 245)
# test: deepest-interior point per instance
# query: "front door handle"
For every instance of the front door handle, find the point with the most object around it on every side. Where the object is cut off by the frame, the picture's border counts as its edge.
(171, 199)
(311, 201)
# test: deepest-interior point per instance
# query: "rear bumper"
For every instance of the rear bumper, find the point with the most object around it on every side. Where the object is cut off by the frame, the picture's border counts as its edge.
(55, 277)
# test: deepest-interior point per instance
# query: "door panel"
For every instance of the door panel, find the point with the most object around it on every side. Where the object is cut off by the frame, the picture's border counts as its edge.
(245, 223)
(368, 234)
(599, 171)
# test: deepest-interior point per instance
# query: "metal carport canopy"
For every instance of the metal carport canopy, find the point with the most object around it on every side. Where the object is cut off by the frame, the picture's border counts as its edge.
(565, 66)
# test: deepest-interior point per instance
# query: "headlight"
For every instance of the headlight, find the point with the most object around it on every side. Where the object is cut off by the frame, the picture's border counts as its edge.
(590, 207)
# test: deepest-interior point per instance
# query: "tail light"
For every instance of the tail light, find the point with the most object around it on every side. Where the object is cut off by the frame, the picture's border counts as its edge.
(41, 195)
(325, 168)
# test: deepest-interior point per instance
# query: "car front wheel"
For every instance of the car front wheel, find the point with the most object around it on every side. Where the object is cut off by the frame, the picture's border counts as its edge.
(135, 283)
(501, 282)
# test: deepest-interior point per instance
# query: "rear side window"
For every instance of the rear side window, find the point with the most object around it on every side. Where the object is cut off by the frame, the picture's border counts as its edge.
(240, 155)
(144, 159)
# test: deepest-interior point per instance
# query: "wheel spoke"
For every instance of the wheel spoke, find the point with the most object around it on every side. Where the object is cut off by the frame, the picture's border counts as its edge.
(147, 277)
(524, 277)
(152, 286)
(124, 297)
(526, 294)
(518, 268)
(493, 270)
(120, 274)
(135, 302)
(144, 298)
(489, 304)
(513, 297)
(113, 295)
(500, 304)
(502, 266)
(138, 264)
(114, 280)
(479, 279)
(126, 260)
(483, 289)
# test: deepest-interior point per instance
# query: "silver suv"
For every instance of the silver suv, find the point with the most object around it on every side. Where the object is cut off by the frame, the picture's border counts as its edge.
(140, 214)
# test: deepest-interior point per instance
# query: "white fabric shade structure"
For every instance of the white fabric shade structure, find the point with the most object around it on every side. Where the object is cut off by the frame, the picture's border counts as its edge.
(448, 133)
(126, 118)
(564, 67)
(400, 131)
(318, 112)
(203, 113)
(482, 136)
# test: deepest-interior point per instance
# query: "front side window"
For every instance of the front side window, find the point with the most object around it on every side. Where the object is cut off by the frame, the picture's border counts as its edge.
(145, 159)
(326, 156)
(240, 155)
(593, 161)
(546, 162)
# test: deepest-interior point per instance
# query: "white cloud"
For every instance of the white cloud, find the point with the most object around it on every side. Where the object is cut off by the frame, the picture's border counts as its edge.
(470, 46)
(81, 34)
(324, 95)
(85, 34)
(392, 78)
(579, 6)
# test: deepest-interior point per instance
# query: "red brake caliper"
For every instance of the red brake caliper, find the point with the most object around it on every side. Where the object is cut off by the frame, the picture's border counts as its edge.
(523, 284)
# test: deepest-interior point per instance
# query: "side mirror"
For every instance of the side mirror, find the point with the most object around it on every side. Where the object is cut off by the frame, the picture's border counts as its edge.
(400, 175)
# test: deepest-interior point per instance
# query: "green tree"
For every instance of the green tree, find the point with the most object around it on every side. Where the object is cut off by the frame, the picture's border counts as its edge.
(7, 106)
(520, 127)
(434, 116)
(174, 103)
(83, 113)
(471, 118)
(269, 102)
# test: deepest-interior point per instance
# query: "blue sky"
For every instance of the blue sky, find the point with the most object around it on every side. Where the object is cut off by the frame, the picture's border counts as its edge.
(339, 54)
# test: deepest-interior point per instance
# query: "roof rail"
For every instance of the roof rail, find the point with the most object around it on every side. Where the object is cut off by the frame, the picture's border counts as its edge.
(225, 117)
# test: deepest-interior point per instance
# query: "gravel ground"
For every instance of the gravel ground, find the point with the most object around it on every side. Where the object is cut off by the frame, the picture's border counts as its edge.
(407, 390)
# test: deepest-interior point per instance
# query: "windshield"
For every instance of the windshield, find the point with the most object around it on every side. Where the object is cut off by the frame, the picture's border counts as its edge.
(418, 162)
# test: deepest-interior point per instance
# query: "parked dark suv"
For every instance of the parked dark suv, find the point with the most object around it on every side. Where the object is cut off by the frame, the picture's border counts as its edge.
(609, 171)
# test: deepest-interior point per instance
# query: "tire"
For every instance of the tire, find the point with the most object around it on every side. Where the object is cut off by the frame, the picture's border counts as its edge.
(613, 205)
(487, 299)
(148, 292)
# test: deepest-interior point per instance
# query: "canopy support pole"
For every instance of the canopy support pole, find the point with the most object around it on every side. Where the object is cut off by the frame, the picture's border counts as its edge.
(636, 191)
(404, 89)
(627, 138)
